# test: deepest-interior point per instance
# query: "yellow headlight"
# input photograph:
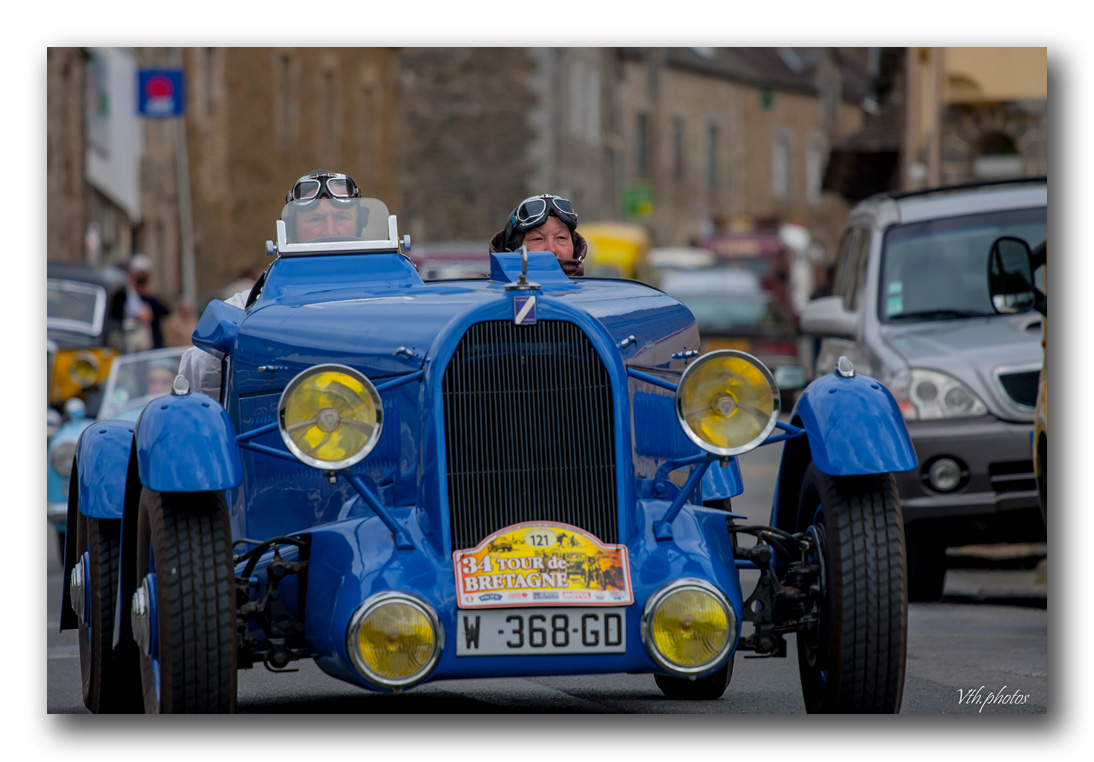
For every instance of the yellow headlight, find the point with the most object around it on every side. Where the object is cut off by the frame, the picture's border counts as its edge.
(689, 626)
(330, 416)
(84, 369)
(394, 639)
(727, 402)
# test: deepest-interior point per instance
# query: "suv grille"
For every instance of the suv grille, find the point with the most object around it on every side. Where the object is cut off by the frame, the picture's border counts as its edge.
(528, 431)
(1022, 387)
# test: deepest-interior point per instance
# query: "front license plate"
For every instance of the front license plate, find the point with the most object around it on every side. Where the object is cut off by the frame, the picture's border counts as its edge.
(530, 631)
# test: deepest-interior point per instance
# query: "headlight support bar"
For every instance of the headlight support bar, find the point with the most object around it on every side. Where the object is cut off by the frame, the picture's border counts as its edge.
(402, 541)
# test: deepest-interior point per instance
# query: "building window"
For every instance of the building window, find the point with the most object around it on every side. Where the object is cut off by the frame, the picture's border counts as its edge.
(642, 146)
(997, 158)
(585, 101)
(815, 159)
(677, 148)
(780, 165)
(712, 156)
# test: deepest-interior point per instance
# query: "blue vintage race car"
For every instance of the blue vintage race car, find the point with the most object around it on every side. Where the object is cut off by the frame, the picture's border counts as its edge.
(525, 474)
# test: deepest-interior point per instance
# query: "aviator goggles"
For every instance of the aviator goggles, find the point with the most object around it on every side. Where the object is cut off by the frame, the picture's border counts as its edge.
(533, 212)
(333, 186)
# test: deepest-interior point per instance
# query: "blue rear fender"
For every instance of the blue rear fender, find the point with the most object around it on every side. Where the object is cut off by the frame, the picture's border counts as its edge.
(852, 427)
(186, 443)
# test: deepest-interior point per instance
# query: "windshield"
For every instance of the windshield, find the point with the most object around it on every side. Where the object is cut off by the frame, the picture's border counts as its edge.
(137, 378)
(938, 269)
(75, 306)
(316, 221)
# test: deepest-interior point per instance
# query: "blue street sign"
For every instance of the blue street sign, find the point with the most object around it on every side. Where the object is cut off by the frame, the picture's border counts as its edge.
(160, 93)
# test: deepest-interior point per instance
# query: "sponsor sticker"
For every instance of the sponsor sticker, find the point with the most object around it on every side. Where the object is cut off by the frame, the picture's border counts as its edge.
(539, 563)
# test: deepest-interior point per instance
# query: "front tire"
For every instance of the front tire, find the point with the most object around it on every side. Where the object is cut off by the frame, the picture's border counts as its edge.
(184, 541)
(852, 660)
(110, 678)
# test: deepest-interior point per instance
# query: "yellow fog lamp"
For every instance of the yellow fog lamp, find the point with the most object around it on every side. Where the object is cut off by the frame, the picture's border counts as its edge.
(394, 639)
(727, 402)
(688, 626)
(84, 369)
(330, 416)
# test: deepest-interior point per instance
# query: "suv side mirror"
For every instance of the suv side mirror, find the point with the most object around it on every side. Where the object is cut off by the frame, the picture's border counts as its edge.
(1010, 277)
(828, 317)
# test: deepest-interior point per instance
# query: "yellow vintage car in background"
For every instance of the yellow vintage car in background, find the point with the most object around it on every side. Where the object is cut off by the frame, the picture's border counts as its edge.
(82, 339)
(616, 250)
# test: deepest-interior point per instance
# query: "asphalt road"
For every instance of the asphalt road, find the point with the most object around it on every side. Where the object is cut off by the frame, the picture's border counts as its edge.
(983, 649)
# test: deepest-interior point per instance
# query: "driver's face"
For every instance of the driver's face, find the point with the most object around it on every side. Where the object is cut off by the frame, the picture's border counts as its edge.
(326, 219)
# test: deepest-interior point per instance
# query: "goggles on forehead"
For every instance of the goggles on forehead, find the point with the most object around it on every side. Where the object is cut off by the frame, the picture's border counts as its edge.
(333, 186)
(533, 212)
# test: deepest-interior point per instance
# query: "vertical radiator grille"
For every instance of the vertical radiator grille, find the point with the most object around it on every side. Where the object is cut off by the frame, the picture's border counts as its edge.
(528, 431)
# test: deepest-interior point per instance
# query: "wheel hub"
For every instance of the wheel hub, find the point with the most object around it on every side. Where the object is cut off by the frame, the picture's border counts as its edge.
(77, 590)
(141, 618)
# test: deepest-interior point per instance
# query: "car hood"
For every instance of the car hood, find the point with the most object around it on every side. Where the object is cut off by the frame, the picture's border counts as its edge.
(385, 322)
(973, 350)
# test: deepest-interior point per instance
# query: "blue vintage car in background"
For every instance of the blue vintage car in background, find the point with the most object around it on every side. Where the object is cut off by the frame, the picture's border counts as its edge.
(524, 474)
(134, 379)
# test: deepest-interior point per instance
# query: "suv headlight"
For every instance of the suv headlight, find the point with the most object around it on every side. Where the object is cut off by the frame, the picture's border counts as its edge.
(925, 395)
(330, 416)
(727, 402)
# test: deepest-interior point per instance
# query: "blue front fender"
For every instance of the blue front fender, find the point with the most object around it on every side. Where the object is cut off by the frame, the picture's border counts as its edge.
(854, 427)
(187, 444)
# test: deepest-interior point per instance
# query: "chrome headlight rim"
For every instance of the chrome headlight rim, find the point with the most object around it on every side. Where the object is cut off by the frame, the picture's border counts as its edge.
(60, 457)
(756, 441)
(654, 602)
(304, 457)
(371, 604)
(90, 359)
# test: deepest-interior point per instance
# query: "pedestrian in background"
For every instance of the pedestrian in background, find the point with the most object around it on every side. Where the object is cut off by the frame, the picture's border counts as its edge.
(139, 310)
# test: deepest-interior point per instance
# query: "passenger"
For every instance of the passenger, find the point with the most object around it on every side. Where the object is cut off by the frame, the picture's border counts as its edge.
(159, 378)
(334, 214)
(545, 223)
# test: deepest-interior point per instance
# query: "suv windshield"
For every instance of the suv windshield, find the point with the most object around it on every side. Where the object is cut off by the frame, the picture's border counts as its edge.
(937, 269)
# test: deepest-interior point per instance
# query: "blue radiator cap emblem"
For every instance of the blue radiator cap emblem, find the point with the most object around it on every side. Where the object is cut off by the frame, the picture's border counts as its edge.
(524, 310)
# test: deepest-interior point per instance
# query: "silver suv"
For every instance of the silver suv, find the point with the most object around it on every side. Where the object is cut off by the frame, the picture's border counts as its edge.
(910, 306)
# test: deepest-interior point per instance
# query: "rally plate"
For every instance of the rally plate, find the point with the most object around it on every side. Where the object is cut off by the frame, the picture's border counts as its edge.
(540, 632)
(542, 563)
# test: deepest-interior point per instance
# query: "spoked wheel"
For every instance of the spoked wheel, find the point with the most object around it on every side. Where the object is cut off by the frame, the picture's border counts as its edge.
(700, 689)
(111, 679)
(852, 658)
(184, 611)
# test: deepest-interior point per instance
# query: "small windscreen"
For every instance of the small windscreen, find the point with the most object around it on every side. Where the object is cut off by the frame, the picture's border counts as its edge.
(334, 219)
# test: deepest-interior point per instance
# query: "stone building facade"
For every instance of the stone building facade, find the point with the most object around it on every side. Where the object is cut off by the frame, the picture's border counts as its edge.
(453, 138)
(65, 184)
(722, 134)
